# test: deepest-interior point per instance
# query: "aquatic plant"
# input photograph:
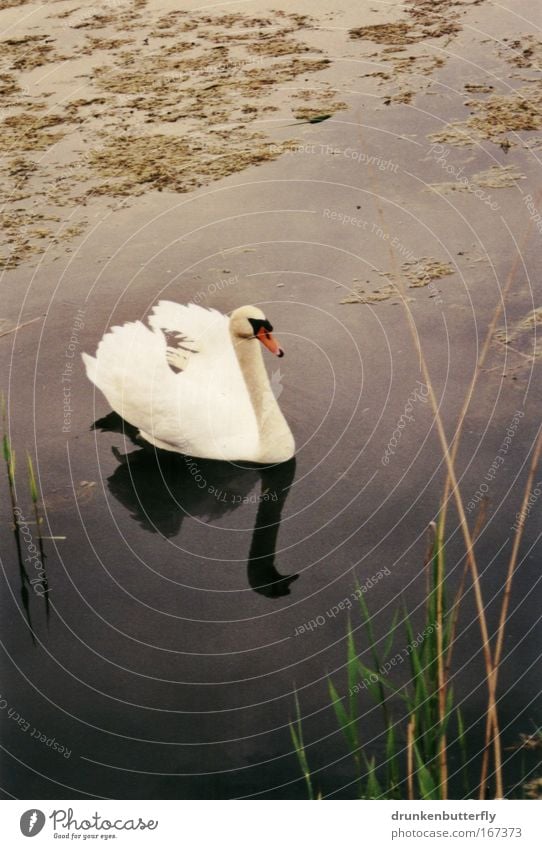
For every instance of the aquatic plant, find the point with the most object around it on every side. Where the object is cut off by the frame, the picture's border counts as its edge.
(9, 459)
(430, 724)
(417, 769)
(39, 522)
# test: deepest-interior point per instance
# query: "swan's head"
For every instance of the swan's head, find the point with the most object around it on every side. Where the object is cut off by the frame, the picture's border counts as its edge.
(250, 323)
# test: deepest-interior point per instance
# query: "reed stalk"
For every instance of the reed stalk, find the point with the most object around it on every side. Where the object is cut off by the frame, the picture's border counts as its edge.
(512, 563)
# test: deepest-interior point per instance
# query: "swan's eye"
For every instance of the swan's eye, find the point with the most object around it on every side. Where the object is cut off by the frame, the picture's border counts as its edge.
(261, 326)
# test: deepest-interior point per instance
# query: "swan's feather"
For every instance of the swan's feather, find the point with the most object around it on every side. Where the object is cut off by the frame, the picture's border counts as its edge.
(197, 323)
(188, 329)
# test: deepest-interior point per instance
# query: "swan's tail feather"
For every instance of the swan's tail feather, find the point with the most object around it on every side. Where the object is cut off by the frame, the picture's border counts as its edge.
(90, 366)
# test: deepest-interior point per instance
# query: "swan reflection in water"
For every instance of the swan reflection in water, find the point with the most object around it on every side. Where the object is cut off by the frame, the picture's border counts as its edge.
(159, 488)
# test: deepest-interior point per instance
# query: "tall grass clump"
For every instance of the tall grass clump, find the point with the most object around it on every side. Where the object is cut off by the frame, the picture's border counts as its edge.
(418, 749)
(416, 762)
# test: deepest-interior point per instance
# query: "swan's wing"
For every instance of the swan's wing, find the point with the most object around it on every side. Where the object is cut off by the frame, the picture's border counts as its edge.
(131, 370)
(191, 319)
(189, 330)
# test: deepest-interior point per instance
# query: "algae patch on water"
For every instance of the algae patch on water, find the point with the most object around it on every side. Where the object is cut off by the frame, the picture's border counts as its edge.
(8, 85)
(316, 108)
(425, 19)
(130, 163)
(19, 234)
(27, 132)
(210, 87)
(423, 271)
(361, 296)
(494, 117)
(392, 33)
(416, 273)
(174, 112)
(496, 177)
(524, 337)
(28, 52)
(478, 88)
(525, 52)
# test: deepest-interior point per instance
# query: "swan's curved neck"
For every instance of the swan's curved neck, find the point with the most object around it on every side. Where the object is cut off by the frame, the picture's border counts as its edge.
(275, 436)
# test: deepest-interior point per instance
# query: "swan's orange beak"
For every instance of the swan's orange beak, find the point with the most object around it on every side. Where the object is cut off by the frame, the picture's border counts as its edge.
(270, 342)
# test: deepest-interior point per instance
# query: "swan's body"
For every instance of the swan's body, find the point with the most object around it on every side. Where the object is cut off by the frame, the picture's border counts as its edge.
(195, 382)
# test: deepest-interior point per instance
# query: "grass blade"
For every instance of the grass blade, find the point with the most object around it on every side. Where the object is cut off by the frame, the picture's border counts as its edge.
(296, 732)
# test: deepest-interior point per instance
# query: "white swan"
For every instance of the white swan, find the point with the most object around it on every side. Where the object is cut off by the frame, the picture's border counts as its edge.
(195, 382)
